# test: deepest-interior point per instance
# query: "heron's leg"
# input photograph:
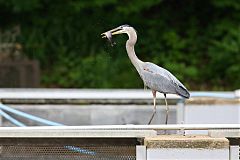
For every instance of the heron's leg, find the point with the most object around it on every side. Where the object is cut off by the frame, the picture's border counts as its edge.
(167, 108)
(154, 104)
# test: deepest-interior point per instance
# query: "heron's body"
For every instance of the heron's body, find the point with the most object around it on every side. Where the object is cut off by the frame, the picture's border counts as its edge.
(153, 76)
(161, 80)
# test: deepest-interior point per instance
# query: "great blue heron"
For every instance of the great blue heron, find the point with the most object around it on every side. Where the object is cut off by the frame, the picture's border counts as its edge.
(153, 76)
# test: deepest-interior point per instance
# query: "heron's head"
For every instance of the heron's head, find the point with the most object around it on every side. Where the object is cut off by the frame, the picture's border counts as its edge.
(119, 30)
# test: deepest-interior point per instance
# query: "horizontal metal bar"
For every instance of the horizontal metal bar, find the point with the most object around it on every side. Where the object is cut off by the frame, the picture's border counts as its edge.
(98, 94)
(68, 133)
(131, 127)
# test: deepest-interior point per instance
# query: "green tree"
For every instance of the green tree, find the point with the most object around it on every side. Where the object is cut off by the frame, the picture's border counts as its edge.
(198, 41)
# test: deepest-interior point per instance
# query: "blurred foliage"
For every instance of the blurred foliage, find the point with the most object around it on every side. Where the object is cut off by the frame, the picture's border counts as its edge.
(198, 41)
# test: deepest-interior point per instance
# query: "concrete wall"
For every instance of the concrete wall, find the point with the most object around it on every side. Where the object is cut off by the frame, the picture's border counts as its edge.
(129, 114)
(94, 114)
(187, 154)
(213, 114)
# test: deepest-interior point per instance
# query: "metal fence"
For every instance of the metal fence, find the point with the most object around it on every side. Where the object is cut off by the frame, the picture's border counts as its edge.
(67, 148)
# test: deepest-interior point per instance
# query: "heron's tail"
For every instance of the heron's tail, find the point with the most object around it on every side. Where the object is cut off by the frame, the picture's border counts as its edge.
(182, 91)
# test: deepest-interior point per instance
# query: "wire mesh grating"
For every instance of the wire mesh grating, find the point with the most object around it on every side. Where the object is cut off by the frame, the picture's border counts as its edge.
(80, 150)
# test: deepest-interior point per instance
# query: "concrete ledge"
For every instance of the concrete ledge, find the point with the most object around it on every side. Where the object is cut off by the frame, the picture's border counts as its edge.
(178, 141)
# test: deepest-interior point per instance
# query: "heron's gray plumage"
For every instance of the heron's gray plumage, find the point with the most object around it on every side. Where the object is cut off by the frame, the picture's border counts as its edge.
(153, 76)
(161, 80)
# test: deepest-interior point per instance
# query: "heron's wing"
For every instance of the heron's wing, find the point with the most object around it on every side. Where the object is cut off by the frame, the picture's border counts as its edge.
(162, 80)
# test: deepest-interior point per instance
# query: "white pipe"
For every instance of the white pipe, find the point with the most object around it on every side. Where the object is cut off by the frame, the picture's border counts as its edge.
(130, 127)
(93, 94)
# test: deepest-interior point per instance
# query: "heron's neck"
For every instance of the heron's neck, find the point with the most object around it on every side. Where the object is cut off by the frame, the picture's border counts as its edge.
(131, 52)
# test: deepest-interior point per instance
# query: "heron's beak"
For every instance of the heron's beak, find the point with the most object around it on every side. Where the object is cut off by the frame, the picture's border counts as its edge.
(114, 31)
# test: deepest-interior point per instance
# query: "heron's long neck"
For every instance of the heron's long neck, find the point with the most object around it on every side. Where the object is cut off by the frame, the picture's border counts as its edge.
(130, 50)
